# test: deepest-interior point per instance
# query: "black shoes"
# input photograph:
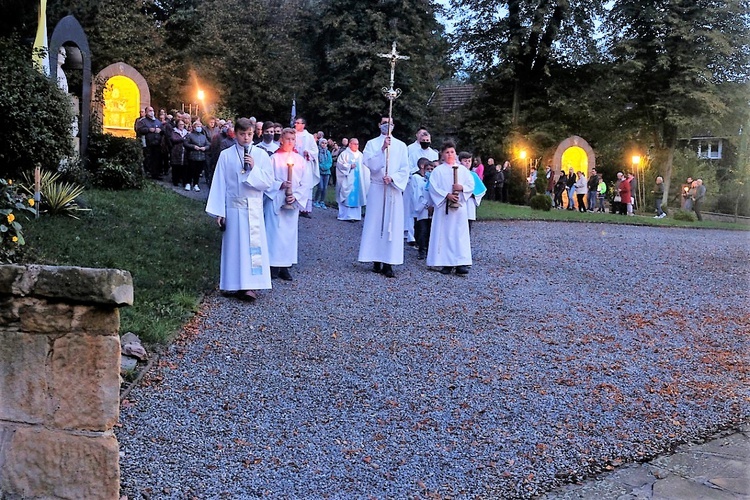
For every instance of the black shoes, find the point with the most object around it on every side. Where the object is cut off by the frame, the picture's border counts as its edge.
(385, 269)
(388, 271)
(460, 270)
(306, 215)
(281, 272)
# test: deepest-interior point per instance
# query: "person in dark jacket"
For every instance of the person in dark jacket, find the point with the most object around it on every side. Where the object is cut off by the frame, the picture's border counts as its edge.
(592, 185)
(197, 147)
(177, 156)
(151, 129)
(560, 187)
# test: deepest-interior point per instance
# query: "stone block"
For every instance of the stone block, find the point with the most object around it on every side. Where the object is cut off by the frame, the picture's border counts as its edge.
(100, 320)
(9, 276)
(23, 380)
(112, 287)
(40, 316)
(8, 311)
(85, 382)
(38, 463)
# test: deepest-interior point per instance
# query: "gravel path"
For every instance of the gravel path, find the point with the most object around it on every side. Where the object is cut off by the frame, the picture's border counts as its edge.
(570, 349)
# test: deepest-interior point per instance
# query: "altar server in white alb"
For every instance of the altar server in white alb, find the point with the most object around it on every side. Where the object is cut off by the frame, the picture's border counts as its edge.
(288, 195)
(243, 173)
(420, 148)
(451, 187)
(352, 182)
(383, 230)
(307, 146)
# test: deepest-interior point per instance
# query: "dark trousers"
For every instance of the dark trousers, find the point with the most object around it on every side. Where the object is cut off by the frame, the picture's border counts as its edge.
(153, 161)
(504, 192)
(697, 207)
(178, 174)
(558, 199)
(422, 234)
(194, 170)
(581, 204)
(498, 189)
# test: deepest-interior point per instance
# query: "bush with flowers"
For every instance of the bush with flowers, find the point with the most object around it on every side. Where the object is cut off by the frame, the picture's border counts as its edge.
(12, 206)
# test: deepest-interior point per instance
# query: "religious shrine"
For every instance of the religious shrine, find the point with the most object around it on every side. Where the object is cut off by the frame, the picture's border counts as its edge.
(124, 93)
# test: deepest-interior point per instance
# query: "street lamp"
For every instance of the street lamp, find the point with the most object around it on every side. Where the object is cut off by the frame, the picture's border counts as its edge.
(201, 98)
(640, 177)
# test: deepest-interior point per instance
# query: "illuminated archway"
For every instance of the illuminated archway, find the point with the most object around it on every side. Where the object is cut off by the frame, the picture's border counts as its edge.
(117, 85)
(122, 103)
(581, 155)
(576, 158)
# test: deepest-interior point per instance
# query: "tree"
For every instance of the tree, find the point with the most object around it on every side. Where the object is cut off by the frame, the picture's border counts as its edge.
(251, 54)
(349, 36)
(672, 59)
(516, 41)
(36, 114)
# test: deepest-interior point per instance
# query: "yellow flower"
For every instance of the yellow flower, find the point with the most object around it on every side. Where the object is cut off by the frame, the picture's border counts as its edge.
(31, 202)
(11, 217)
(15, 239)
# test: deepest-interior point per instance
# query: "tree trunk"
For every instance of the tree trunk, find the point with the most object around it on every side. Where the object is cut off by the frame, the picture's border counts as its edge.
(516, 106)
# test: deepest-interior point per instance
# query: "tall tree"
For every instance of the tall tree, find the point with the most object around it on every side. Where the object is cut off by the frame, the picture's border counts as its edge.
(251, 54)
(674, 61)
(349, 36)
(516, 41)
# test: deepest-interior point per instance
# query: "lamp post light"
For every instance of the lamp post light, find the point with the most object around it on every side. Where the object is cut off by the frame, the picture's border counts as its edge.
(201, 98)
(640, 176)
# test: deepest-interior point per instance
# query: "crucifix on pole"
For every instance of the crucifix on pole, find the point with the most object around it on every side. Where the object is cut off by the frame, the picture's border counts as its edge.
(391, 94)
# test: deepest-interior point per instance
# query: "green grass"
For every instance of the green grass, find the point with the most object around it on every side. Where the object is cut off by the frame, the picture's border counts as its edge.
(166, 241)
(491, 210)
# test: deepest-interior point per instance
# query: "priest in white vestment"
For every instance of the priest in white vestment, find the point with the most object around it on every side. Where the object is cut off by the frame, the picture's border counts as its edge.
(420, 148)
(450, 244)
(282, 204)
(352, 182)
(383, 230)
(306, 145)
(236, 200)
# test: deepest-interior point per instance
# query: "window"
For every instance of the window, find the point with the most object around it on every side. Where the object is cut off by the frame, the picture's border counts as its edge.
(709, 149)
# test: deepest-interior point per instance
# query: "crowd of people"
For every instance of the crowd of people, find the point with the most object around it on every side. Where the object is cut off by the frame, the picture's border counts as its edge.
(263, 177)
(259, 188)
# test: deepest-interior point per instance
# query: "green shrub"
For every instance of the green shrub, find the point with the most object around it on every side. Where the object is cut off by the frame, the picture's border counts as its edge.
(684, 215)
(57, 197)
(36, 114)
(541, 181)
(12, 205)
(541, 202)
(115, 162)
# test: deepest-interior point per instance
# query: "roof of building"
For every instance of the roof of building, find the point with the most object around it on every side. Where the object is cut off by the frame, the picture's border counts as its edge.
(453, 97)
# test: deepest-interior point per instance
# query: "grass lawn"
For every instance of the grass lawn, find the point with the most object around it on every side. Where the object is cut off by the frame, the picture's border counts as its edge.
(166, 241)
(491, 210)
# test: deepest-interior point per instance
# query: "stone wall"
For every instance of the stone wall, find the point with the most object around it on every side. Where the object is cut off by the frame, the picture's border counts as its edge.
(59, 380)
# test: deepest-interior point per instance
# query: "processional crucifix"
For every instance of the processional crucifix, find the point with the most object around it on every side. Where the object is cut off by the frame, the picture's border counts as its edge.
(391, 94)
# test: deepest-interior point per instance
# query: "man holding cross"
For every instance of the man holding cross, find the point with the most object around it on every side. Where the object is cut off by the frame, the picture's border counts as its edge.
(387, 160)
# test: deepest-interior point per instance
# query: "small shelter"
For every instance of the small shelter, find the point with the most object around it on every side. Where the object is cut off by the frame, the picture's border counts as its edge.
(125, 92)
(70, 37)
(574, 152)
